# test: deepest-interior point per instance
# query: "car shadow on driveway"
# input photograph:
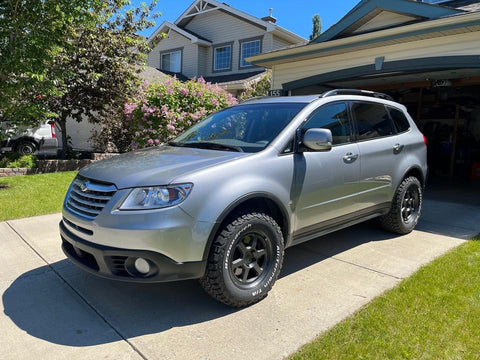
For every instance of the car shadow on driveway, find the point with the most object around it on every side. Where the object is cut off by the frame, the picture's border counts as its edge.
(36, 305)
(64, 308)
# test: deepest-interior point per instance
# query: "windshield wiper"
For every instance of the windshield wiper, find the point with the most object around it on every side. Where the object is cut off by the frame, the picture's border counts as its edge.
(210, 145)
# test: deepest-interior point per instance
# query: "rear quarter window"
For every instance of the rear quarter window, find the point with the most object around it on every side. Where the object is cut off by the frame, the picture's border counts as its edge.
(399, 119)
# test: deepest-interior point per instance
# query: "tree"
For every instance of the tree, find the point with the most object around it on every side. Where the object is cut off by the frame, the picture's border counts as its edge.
(317, 27)
(92, 70)
(258, 88)
(100, 71)
(32, 32)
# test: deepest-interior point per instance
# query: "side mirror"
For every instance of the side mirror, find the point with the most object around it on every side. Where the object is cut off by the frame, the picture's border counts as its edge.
(318, 139)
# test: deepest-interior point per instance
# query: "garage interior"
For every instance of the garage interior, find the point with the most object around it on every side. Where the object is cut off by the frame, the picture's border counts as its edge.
(445, 105)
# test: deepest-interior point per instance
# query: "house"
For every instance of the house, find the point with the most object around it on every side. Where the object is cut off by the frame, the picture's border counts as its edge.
(212, 39)
(426, 54)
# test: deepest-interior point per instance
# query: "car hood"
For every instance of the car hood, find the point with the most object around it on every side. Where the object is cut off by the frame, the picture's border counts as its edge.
(154, 166)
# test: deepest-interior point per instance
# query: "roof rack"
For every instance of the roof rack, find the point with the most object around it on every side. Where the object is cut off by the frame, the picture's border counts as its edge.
(356, 92)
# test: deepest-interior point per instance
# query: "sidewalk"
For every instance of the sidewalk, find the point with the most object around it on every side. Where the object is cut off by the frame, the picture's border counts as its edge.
(51, 309)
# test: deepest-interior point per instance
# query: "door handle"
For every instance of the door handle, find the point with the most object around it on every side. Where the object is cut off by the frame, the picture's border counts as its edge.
(350, 157)
(397, 148)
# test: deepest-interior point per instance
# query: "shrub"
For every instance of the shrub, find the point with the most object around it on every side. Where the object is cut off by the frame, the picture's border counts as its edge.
(164, 110)
(15, 160)
(257, 88)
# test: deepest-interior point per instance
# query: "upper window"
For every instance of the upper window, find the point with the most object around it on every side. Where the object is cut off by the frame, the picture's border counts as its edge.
(247, 49)
(399, 119)
(172, 61)
(222, 57)
(372, 120)
(335, 118)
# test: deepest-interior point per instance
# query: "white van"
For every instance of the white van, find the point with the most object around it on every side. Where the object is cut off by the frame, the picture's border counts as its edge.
(41, 139)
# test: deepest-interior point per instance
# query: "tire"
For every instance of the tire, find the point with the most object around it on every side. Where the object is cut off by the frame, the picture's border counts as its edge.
(26, 147)
(244, 261)
(406, 207)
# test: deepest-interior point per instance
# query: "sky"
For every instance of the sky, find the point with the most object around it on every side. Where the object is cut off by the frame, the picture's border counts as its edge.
(294, 15)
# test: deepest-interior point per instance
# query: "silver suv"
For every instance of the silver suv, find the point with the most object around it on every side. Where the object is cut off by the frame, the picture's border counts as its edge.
(223, 200)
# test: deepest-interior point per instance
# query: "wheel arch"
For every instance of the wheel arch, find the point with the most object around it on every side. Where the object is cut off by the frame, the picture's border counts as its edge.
(417, 172)
(261, 201)
(15, 142)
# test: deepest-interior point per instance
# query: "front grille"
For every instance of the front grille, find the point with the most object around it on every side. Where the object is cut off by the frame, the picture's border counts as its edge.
(87, 198)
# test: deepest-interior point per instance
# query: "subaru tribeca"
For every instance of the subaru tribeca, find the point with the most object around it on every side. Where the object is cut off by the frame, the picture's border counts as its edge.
(223, 200)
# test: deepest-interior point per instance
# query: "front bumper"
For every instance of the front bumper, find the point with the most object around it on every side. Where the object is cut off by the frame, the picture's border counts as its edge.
(118, 264)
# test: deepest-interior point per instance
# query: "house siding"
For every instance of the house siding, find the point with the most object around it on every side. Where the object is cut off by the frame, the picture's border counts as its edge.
(202, 60)
(461, 44)
(219, 27)
(279, 43)
(176, 41)
(384, 19)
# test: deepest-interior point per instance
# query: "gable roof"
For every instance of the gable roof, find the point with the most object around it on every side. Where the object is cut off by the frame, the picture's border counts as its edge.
(204, 6)
(195, 38)
(366, 10)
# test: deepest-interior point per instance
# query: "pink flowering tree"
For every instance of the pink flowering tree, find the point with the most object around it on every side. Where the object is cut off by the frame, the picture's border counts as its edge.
(162, 111)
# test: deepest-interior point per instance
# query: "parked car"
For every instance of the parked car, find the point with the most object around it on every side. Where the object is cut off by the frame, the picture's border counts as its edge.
(26, 140)
(222, 201)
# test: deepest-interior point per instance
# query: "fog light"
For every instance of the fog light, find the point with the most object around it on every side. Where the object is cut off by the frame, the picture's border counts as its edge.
(142, 266)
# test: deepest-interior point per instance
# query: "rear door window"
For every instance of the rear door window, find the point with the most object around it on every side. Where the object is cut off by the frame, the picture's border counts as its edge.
(372, 120)
(399, 119)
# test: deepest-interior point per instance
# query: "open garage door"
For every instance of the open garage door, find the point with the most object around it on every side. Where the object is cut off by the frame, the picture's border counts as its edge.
(445, 105)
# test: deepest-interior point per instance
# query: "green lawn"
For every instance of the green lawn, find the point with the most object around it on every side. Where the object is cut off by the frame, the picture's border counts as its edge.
(434, 314)
(33, 195)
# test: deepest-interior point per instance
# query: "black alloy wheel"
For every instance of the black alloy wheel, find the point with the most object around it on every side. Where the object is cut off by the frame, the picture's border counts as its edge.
(251, 259)
(410, 203)
(406, 207)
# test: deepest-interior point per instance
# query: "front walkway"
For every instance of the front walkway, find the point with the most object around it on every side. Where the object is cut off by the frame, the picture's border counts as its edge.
(51, 309)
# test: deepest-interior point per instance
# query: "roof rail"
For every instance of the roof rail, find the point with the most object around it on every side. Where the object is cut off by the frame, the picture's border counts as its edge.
(356, 92)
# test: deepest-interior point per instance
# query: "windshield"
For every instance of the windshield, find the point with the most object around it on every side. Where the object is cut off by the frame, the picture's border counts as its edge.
(246, 128)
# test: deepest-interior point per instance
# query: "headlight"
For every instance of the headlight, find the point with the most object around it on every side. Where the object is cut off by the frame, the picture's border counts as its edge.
(156, 197)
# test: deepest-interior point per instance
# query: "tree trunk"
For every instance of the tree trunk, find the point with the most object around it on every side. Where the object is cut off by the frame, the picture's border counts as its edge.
(62, 123)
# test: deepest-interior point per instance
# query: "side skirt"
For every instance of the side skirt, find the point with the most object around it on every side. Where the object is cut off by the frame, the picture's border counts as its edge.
(329, 226)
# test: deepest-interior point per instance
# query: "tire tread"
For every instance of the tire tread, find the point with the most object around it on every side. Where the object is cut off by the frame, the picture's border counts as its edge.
(212, 280)
(391, 221)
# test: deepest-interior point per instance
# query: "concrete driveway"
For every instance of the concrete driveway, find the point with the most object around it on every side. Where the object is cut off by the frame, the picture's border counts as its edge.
(53, 310)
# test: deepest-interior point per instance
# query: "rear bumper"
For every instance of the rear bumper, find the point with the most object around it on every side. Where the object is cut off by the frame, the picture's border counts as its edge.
(118, 264)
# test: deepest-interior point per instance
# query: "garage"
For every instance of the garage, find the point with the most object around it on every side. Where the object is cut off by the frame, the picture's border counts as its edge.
(426, 56)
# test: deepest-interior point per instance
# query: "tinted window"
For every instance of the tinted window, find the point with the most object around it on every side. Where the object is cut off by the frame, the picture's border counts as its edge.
(335, 118)
(249, 127)
(372, 120)
(399, 119)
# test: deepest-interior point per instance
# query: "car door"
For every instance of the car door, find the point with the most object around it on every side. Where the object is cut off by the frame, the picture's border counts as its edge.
(326, 180)
(377, 143)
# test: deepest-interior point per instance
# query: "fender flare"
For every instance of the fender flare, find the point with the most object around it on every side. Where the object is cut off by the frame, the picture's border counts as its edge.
(227, 211)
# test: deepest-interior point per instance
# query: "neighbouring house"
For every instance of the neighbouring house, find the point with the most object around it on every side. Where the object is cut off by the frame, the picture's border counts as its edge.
(212, 40)
(424, 54)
